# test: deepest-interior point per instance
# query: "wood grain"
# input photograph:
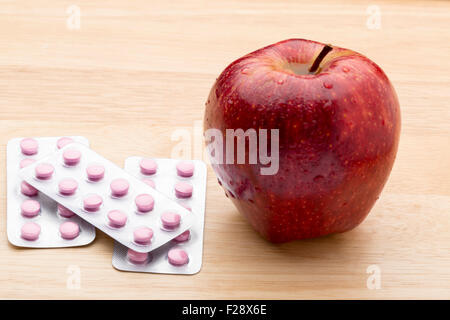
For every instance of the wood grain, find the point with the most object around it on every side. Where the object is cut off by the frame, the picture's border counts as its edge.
(138, 71)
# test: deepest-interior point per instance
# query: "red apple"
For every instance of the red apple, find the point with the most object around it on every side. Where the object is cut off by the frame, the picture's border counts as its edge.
(339, 124)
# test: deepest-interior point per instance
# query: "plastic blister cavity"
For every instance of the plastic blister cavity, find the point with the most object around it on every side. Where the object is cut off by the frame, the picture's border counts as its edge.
(33, 219)
(108, 197)
(182, 255)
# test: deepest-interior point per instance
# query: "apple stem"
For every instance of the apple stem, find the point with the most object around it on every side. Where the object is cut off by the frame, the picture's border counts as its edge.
(320, 57)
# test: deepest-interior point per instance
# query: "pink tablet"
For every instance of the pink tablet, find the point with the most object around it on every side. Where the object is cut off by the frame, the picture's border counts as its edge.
(148, 166)
(30, 231)
(69, 230)
(95, 172)
(71, 157)
(26, 162)
(62, 142)
(144, 202)
(170, 220)
(67, 186)
(64, 212)
(119, 187)
(117, 218)
(28, 189)
(143, 235)
(44, 171)
(183, 237)
(177, 257)
(137, 257)
(29, 146)
(92, 202)
(30, 208)
(183, 189)
(185, 169)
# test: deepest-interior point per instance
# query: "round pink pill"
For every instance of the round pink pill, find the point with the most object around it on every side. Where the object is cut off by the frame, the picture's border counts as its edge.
(137, 257)
(71, 157)
(92, 202)
(183, 189)
(148, 166)
(117, 218)
(149, 182)
(30, 231)
(185, 168)
(28, 189)
(29, 146)
(67, 186)
(30, 208)
(143, 235)
(170, 220)
(144, 202)
(69, 230)
(95, 172)
(26, 162)
(44, 171)
(119, 187)
(183, 237)
(177, 257)
(62, 142)
(64, 212)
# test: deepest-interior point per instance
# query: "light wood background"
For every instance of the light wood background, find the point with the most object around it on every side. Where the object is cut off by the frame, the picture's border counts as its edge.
(137, 71)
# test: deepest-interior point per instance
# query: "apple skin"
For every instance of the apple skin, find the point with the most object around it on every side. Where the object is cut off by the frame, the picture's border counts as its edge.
(339, 134)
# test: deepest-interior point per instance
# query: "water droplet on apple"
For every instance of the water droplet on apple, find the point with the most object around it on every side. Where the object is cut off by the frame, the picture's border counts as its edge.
(345, 69)
(318, 179)
(244, 71)
(280, 81)
(328, 85)
(327, 105)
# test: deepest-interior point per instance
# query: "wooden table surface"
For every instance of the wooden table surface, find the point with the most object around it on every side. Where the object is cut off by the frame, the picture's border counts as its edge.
(136, 75)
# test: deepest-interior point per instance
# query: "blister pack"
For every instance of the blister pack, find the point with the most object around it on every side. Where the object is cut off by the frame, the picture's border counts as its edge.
(106, 196)
(184, 182)
(33, 219)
